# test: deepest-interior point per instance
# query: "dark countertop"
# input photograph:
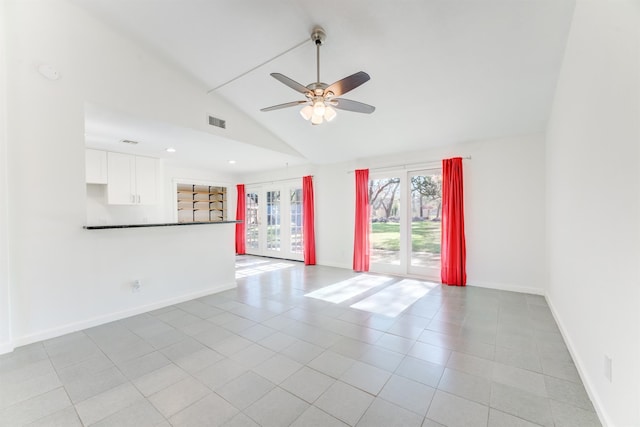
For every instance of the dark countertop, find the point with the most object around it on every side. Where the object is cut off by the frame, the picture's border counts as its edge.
(168, 224)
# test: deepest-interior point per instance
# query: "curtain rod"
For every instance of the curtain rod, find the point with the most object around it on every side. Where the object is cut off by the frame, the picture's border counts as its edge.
(277, 180)
(406, 165)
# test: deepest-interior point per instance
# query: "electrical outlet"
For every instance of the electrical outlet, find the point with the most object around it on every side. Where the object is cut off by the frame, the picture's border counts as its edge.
(135, 286)
(607, 367)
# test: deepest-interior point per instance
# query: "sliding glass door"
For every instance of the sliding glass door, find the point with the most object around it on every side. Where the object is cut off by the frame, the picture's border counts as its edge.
(274, 227)
(425, 230)
(387, 235)
(405, 222)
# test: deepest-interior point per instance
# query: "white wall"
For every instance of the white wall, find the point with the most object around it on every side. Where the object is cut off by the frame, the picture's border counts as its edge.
(593, 203)
(173, 264)
(5, 321)
(504, 204)
(100, 212)
(52, 259)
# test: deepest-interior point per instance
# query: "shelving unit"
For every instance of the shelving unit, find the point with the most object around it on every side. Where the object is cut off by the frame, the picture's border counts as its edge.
(201, 203)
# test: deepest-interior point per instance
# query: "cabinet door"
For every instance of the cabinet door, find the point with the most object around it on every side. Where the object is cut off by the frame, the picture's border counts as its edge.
(96, 166)
(120, 179)
(146, 182)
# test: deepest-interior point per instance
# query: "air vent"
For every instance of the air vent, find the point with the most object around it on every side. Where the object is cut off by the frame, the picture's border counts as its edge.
(214, 121)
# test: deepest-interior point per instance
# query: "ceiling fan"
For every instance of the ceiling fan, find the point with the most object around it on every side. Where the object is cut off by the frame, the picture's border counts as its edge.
(322, 99)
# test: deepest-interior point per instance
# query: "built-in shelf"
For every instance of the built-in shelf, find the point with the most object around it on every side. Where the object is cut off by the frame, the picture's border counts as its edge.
(201, 203)
(208, 193)
(197, 209)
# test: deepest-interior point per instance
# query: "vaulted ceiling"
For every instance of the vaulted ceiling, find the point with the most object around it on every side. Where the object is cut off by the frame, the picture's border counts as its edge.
(442, 71)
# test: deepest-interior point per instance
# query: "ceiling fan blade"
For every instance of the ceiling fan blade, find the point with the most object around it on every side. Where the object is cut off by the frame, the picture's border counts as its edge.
(348, 83)
(355, 106)
(286, 105)
(291, 83)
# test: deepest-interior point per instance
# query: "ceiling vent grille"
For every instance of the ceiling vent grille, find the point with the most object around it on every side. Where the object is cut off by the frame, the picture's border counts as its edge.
(214, 121)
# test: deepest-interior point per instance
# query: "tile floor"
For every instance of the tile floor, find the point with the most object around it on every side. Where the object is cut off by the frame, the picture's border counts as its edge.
(265, 355)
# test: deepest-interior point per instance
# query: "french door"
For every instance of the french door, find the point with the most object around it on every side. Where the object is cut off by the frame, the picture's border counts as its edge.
(406, 207)
(274, 220)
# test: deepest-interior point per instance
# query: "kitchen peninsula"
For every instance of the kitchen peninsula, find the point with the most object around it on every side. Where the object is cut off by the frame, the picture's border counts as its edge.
(167, 224)
(137, 268)
(155, 235)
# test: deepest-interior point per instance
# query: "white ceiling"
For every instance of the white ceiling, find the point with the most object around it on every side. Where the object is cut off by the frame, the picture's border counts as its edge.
(105, 129)
(442, 71)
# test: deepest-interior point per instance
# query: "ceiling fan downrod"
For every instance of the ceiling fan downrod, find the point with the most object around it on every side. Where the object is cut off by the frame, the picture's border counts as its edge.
(318, 36)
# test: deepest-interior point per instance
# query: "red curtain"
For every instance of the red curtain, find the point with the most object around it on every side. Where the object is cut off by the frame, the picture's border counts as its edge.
(361, 235)
(241, 248)
(308, 223)
(453, 255)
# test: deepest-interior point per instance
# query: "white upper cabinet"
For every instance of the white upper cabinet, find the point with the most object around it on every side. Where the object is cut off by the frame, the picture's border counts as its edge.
(132, 180)
(121, 187)
(146, 182)
(96, 166)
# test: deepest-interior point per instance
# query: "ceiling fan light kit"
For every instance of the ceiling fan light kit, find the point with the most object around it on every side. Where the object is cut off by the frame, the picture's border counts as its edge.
(322, 99)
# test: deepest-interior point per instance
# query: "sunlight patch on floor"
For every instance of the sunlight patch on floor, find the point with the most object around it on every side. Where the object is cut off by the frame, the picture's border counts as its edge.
(250, 262)
(394, 299)
(246, 272)
(342, 291)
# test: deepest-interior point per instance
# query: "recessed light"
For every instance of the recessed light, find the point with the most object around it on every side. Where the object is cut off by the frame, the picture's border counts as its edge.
(170, 150)
(232, 162)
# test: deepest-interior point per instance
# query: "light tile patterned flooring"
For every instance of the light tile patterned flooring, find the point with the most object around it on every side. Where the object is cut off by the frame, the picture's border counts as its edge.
(264, 354)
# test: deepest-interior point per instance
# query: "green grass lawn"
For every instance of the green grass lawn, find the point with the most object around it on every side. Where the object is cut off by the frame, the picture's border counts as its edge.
(425, 236)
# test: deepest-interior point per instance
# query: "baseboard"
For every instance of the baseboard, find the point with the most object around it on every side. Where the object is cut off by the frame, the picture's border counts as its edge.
(510, 288)
(6, 348)
(497, 286)
(602, 416)
(111, 317)
(334, 265)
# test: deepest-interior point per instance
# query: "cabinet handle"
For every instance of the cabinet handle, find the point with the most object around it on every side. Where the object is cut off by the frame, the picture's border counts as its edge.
(138, 198)
(133, 198)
